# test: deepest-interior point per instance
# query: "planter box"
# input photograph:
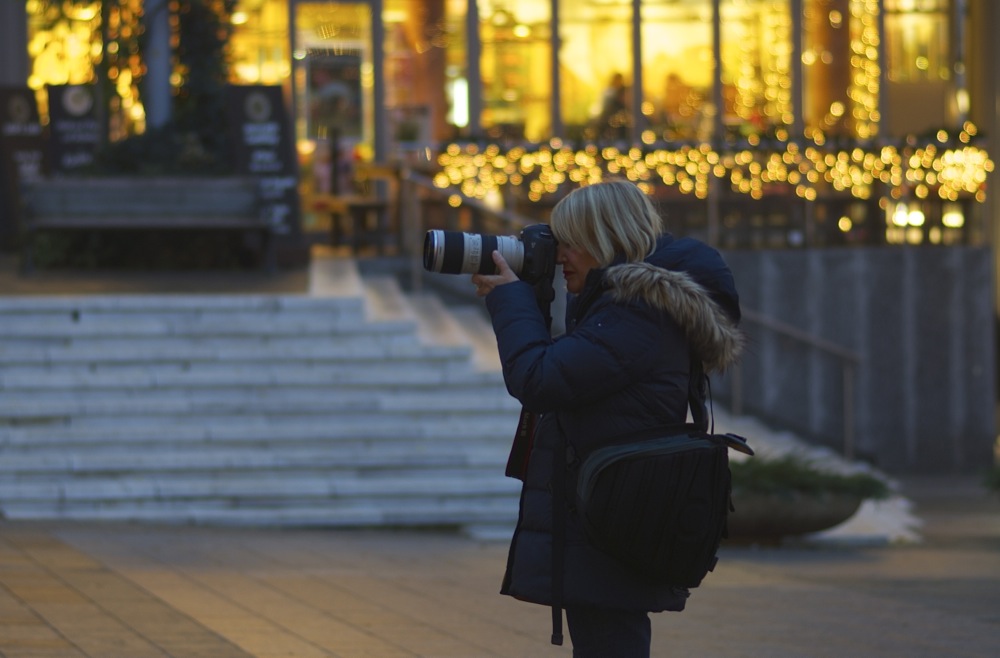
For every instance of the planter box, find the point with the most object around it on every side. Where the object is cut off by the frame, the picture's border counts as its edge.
(767, 518)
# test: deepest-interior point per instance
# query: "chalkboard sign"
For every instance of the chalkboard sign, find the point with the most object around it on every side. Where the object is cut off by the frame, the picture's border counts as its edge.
(263, 147)
(74, 126)
(22, 156)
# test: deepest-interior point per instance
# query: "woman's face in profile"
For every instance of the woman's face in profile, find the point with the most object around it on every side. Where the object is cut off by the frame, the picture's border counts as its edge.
(576, 264)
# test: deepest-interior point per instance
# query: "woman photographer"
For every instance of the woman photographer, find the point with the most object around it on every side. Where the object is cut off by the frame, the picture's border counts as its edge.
(647, 316)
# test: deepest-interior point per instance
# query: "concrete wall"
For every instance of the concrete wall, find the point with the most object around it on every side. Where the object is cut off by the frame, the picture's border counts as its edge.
(921, 321)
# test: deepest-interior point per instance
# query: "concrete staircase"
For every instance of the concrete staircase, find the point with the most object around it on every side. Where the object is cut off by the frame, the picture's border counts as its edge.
(353, 404)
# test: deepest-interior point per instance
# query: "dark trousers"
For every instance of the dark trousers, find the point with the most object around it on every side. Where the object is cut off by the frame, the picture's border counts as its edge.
(607, 633)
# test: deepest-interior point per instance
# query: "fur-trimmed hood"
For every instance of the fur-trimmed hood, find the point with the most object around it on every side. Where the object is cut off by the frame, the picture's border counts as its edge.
(689, 280)
(711, 331)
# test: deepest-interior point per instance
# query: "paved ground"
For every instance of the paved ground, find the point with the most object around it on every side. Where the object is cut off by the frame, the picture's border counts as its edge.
(132, 591)
(135, 591)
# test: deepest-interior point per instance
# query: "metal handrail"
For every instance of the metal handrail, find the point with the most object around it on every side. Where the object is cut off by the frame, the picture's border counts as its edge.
(513, 219)
(850, 362)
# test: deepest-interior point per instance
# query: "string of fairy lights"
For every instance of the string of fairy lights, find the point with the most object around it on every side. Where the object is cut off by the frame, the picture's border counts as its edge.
(952, 168)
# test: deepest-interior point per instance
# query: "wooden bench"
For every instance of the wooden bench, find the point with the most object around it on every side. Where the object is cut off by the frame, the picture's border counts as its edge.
(144, 204)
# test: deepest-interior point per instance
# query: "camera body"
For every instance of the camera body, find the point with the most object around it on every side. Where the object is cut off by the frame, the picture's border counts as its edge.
(531, 255)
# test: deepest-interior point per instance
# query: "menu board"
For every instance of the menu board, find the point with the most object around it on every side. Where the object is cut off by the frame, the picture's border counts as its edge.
(74, 126)
(22, 156)
(263, 147)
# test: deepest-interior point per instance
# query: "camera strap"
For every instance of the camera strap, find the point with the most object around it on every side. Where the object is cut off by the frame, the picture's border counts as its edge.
(520, 449)
(559, 468)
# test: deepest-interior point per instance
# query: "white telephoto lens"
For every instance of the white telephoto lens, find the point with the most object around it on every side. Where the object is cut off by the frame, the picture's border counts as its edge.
(512, 251)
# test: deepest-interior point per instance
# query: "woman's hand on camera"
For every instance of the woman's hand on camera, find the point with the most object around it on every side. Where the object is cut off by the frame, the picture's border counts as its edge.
(485, 283)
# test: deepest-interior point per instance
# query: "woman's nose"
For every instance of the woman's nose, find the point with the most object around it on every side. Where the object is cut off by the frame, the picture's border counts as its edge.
(560, 254)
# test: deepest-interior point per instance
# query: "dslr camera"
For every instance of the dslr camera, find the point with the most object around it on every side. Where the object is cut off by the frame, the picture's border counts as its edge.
(531, 255)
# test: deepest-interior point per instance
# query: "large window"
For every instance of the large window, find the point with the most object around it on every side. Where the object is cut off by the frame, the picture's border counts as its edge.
(595, 67)
(916, 37)
(677, 69)
(841, 66)
(259, 45)
(921, 93)
(71, 43)
(756, 57)
(454, 39)
(416, 39)
(333, 73)
(515, 68)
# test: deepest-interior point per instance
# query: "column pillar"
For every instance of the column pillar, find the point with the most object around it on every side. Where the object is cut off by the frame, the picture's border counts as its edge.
(157, 98)
(14, 65)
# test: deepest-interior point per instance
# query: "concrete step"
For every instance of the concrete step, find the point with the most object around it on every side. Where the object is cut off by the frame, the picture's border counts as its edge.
(326, 512)
(166, 314)
(386, 302)
(365, 349)
(262, 481)
(333, 457)
(302, 384)
(478, 331)
(252, 402)
(495, 428)
(355, 404)
(161, 324)
(399, 374)
(331, 277)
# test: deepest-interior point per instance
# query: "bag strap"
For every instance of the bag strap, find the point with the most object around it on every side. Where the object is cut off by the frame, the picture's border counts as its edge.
(558, 532)
(700, 390)
(520, 449)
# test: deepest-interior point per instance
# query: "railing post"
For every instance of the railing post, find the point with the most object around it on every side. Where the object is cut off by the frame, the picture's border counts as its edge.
(848, 410)
(736, 389)
(412, 217)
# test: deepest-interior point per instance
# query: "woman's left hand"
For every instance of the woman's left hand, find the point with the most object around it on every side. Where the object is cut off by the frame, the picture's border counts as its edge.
(485, 283)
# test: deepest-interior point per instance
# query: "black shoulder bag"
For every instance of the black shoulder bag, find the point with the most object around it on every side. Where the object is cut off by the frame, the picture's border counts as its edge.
(657, 503)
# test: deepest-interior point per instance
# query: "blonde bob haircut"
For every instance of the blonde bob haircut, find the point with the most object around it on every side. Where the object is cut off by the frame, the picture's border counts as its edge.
(607, 220)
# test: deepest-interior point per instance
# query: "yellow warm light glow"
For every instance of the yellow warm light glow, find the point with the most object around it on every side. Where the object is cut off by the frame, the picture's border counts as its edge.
(953, 217)
(949, 173)
(900, 216)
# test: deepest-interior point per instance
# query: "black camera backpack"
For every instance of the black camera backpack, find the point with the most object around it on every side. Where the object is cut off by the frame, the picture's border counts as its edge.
(657, 503)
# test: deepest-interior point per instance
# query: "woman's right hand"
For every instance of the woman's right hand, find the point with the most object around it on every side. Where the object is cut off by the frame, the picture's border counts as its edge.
(485, 283)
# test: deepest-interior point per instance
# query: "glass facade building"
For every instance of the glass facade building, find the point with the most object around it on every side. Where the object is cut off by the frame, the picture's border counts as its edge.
(755, 123)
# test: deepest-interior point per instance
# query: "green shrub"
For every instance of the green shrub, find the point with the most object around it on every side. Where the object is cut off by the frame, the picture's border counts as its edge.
(992, 479)
(793, 474)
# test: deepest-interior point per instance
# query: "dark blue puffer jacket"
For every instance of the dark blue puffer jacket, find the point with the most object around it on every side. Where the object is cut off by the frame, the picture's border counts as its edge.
(622, 367)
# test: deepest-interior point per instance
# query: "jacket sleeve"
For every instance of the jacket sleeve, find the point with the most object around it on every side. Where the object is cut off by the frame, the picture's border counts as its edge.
(609, 350)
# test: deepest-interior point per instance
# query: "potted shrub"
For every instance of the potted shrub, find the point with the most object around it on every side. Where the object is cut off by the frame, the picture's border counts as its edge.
(789, 496)
(992, 479)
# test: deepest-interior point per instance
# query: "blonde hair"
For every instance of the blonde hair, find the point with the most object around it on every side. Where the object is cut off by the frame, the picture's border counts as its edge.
(609, 219)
